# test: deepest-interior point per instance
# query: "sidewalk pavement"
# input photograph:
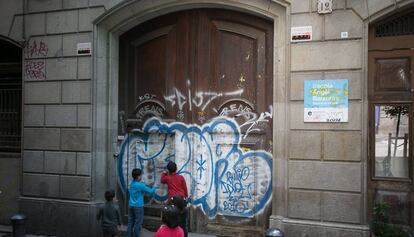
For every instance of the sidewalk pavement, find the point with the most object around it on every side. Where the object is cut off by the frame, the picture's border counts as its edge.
(147, 233)
(144, 233)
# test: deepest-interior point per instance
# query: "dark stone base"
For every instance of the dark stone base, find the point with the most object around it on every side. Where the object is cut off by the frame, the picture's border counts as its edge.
(59, 218)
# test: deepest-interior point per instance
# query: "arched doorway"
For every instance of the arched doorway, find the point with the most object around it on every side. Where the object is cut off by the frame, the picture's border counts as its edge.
(207, 77)
(391, 101)
(10, 128)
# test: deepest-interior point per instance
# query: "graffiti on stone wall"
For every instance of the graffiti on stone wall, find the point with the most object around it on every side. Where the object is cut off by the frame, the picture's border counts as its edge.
(35, 69)
(222, 178)
(36, 49)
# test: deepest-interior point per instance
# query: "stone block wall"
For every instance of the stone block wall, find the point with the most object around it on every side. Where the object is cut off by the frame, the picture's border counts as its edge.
(56, 168)
(325, 160)
(325, 172)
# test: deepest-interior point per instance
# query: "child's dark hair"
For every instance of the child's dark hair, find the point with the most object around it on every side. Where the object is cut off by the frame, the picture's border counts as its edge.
(136, 172)
(172, 167)
(179, 202)
(170, 216)
(109, 195)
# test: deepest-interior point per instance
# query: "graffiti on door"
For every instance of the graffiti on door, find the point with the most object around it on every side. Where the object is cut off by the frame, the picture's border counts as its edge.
(222, 178)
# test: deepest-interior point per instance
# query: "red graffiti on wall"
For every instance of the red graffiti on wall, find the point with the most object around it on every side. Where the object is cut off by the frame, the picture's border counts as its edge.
(35, 70)
(36, 49)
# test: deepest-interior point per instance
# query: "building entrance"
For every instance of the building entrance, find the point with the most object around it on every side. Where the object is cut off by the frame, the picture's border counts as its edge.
(391, 97)
(196, 88)
(10, 128)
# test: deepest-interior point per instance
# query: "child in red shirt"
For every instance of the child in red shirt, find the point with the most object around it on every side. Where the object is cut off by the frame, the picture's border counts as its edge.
(175, 182)
(170, 220)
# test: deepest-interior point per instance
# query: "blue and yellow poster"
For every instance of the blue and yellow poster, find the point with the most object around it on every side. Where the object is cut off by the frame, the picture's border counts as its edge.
(326, 101)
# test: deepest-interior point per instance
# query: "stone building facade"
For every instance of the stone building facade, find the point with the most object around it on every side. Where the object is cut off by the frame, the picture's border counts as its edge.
(310, 179)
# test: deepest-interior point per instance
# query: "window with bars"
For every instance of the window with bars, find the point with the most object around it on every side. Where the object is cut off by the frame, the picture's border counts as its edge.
(398, 26)
(10, 107)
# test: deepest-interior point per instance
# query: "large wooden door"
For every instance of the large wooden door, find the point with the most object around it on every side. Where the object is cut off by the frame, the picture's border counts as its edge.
(206, 75)
(391, 101)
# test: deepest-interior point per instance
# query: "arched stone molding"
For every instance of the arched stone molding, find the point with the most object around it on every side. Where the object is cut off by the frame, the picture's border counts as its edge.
(11, 41)
(128, 14)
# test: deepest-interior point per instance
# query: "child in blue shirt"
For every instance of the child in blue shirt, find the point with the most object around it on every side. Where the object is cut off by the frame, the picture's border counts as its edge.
(136, 203)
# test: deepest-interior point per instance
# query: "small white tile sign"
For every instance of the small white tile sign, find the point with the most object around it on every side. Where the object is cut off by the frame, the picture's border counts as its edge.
(301, 33)
(344, 34)
(84, 48)
(324, 6)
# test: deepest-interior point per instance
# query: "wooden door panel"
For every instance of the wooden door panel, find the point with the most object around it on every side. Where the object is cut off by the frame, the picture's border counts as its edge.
(391, 83)
(390, 75)
(207, 75)
(393, 74)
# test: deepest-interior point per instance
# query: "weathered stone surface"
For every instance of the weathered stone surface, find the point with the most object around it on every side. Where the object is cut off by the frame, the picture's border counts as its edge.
(41, 185)
(305, 145)
(43, 5)
(70, 42)
(341, 207)
(61, 68)
(343, 21)
(7, 15)
(76, 139)
(42, 216)
(107, 3)
(310, 19)
(58, 218)
(35, 24)
(75, 187)
(62, 22)
(325, 175)
(76, 92)
(354, 118)
(61, 115)
(342, 146)
(33, 161)
(304, 204)
(346, 54)
(41, 138)
(87, 16)
(16, 31)
(34, 115)
(321, 231)
(10, 173)
(84, 116)
(42, 92)
(84, 68)
(68, 4)
(375, 6)
(73, 220)
(60, 162)
(359, 6)
(83, 163)
(300, 6)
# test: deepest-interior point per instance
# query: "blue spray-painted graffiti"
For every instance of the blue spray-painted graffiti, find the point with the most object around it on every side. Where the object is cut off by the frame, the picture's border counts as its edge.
(222, 179)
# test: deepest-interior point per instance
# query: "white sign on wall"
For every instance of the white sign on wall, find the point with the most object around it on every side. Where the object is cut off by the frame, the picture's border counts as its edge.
(326, 101)
(301, 33)
(324, 6)
(84, 48)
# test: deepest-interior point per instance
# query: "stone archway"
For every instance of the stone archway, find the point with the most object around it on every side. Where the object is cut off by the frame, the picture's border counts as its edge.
(10, 127)
(106, 73)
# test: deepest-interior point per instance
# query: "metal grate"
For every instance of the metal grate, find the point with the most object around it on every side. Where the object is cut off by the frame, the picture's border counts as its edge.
(10, 108)
(401, 25)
